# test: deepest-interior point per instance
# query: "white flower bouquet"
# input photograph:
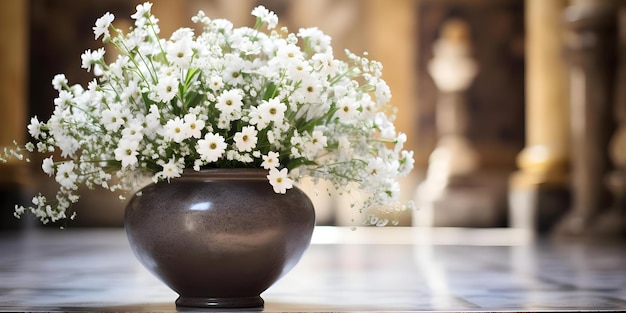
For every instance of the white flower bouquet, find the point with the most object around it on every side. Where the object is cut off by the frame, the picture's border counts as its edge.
(226, 98)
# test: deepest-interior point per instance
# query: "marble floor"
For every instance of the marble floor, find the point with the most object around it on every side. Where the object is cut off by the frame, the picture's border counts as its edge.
(368, 269)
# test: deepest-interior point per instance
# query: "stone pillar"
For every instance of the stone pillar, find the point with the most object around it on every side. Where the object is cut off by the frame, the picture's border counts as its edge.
(538, 192)
(614, 221)
(453, 70)
(454, 192)
(14, 175)
(591, 46)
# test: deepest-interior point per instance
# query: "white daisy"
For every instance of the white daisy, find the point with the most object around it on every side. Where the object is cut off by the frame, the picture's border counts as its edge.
(112, 119)
(270, 160)
(193, 126)
(134, 131)
(229, 101)
(167, 88)
(180, 53)
(126, 152)
(256, 118)
(216, 83)
(272, 110)
(246, 139)
(288, 53)
(171, 169)
(299, 70)
(211, 148)
(175, 130)
(317, 143)
(279, 180)
(348, 110)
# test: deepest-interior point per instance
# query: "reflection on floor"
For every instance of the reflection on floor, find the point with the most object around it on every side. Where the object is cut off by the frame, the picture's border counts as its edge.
(370, 269)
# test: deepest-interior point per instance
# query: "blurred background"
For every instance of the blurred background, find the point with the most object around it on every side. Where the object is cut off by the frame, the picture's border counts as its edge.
(516, 110)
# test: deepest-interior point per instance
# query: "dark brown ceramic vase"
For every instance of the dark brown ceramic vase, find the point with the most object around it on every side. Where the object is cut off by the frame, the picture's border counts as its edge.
(219, 238)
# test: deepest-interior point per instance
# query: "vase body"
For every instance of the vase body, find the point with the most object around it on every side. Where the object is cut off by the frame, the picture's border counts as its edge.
(219, 238)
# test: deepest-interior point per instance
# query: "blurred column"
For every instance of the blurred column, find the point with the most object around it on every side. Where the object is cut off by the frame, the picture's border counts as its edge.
(455, 192)
(614, 221)
(13, 77)
(13, 100)
(591, 49)
(453, 70)
(538, 192)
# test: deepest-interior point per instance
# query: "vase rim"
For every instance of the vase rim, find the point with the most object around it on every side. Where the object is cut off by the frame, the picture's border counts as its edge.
(225, 174)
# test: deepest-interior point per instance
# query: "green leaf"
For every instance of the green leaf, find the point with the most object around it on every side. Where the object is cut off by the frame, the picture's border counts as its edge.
(299, 162)
(270, 91)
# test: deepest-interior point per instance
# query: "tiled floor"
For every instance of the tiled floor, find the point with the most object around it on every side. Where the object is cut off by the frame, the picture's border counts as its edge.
(370, 269)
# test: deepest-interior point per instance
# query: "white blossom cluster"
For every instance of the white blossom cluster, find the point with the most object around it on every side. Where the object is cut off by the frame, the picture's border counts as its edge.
(226, 98)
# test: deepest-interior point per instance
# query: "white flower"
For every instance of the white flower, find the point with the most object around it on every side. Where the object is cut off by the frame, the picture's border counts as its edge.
(246, 139)
(270, 160)
(180, 53)
(288, 53)
(91, 57)
(216, 83)
(59, 81)
(406, 163)
(131, 91)
(48, 166)
(134, 131)
(66, 176)
(317, 143)
(193, 126)
(229, 101)
(279, 180)
(310, 90)
(65, 98)
(126, 152)
(376, 169)
(348, 110)
(143, 10)
(325, 63)
(211, 148)
(256, 118)
(400, 142)
(317, 40)
(299, 70)
(102, 26)
(383, 93)
(272, 110)
(175, 130)
(34, 128)
(345, 148)
(266, 16)
(167, 88)
(112, 120)
(171, 169)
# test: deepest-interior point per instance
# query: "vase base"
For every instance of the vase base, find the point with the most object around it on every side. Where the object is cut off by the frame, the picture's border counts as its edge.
(199, 302)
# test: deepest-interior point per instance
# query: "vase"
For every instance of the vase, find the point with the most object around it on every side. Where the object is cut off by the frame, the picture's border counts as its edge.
(220, 237)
